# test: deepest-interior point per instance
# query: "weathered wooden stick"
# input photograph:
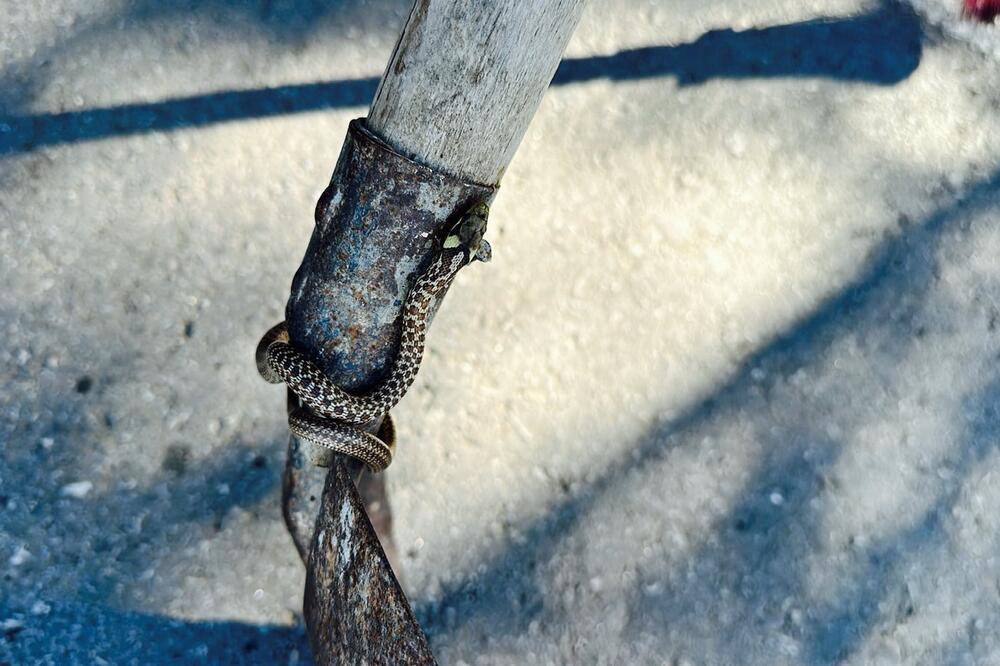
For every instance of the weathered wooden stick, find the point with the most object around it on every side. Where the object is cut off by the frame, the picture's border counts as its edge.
(466, 79)
(463, 83)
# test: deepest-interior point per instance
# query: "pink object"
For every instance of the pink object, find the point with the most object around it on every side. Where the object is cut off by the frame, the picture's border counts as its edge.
(982, 10)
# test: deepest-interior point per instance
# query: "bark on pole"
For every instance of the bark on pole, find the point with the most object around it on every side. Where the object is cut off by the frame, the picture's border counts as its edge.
(457, 96)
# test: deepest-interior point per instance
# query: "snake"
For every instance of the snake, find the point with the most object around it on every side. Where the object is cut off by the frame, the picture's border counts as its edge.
(332, 418)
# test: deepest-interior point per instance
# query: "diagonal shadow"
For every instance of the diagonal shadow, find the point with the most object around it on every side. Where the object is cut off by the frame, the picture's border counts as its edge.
(837, 632)
(753, 557)
(239, 476)
(102, 635)
(881, 47)
(505, 595)
(89, 553)
(290, 24)
(288, 21)
(138, 519)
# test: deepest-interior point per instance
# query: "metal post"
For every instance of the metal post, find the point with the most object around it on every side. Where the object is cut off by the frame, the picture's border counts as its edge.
(463, 83)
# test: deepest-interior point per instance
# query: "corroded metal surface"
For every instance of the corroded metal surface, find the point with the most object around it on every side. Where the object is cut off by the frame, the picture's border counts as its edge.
(302, 487)
(378, 225)
(354, 608)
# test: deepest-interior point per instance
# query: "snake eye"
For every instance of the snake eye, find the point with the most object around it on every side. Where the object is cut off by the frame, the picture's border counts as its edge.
(481, 209)
(468, 231)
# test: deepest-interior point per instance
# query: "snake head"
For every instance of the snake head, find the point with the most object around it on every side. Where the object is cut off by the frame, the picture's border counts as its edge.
(468, 232)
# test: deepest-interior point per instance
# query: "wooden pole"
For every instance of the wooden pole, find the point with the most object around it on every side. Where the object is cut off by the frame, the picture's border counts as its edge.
(462, 85)
(466, 79)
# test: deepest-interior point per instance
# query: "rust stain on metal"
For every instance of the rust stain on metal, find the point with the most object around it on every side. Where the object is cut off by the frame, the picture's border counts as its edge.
(373, 236)
(354, 331)
(375, 217)
(354, 608)
(301, 489)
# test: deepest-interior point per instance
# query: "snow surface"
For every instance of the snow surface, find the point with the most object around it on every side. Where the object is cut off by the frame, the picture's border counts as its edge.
(729, 392)
(942, 14)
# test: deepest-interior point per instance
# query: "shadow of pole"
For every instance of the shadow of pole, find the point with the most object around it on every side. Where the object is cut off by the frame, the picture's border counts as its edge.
(504, 596)
(89, 553)
(881, 47)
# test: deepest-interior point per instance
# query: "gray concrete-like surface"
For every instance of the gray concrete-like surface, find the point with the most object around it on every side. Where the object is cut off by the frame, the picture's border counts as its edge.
(727, 394)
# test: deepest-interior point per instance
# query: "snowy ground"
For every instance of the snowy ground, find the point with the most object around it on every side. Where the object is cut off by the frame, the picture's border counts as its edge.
(728, 393)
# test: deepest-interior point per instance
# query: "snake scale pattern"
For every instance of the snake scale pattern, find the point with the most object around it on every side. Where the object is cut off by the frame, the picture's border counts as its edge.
(335, 419)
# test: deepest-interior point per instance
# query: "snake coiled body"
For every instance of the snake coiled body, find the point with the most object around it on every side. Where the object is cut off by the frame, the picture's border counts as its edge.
(333, 418)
